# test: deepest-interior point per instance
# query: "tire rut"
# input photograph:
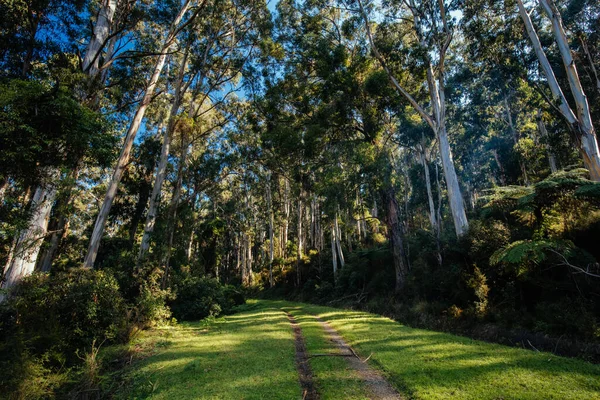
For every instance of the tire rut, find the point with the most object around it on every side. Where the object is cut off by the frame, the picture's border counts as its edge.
(377, 385)
(305, 374)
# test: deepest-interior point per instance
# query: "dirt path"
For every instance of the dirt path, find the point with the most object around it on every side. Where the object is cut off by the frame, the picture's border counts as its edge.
(304, 372)
(379, 388)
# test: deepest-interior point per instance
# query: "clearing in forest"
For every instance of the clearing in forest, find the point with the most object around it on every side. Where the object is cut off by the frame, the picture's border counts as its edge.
(254, 354)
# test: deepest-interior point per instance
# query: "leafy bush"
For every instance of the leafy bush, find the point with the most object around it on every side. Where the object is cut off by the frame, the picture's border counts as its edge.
(199, 298)
(47, 319)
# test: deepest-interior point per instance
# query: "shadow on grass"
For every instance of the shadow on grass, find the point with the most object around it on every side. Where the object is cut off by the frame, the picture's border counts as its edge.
(244, 356)
(426, 364)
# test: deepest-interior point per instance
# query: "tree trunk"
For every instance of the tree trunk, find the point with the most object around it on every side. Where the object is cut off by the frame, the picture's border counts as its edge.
(395, 238)
(299, 252)
(62, 225)
(457, 206)
(338, 244)
(172, 213)
(29, 241)
(433, 221)
(286, 216)
(333, 251)
(271, 244)
(544, 134)
(161, 168)
(580, 122)
(99, 37)
(123, 160)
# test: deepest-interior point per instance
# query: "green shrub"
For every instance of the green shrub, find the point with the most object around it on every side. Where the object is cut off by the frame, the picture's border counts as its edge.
(47, 319)
(198, 298)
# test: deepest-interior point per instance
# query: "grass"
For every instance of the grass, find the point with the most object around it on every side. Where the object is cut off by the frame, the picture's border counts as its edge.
(332, 377)
(250, 355)
(431, 365)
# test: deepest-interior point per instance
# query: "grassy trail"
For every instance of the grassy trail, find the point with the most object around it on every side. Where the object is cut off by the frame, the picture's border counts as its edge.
(250, 355)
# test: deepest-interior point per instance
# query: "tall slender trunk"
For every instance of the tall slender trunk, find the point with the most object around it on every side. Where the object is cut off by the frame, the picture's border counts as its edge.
(580, 121)
(172, 212)
(333, 250)
(544, 134)
(242, 255)
(338, 244)
(433, 221)
(395, 238)
(123, 160)
(62, 225)
(249, 274)
(500, 167)
(271, 244)
(161, 168)
(437, 119)
(457, 206)
(286, 215)
(299, 232)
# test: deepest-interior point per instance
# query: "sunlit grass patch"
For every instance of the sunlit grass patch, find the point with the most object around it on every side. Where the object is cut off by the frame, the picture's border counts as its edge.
(249, 355)
(432, 365)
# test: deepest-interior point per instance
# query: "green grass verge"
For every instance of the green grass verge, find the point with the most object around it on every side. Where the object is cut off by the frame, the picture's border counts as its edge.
(432, 365)
(249, 355)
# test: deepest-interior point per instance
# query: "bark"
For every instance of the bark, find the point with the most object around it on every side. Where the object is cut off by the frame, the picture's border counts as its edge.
(286, 216)
(99, 38)
(172, 214)
(271, 244)
(580, 122)
(544, 134)
(333, 251)
(29, 240)
(129, 139)
(61, 228)
(338, 244)
(299, 252)
(250, 277)
(457, 206)
(243, 255)
(430, 201)
(433, 221)
(395, 238)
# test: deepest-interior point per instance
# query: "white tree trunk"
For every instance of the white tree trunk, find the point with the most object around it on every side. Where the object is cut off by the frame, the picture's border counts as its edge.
(123, 160)
(161, 169)
(30, 239)
(580, 122)
(457, 206)
(99, 37)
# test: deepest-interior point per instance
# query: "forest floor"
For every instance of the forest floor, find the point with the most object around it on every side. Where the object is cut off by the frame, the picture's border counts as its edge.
(285, 350)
